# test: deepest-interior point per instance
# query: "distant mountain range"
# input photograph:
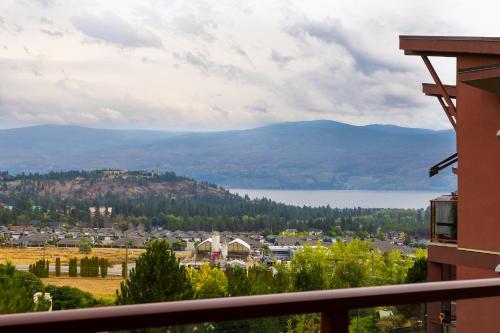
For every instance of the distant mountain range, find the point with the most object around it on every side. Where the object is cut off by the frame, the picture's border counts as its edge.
(297, 155)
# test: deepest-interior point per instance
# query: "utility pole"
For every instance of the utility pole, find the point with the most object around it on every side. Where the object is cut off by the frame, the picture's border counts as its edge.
(126, 260)
(126, 256)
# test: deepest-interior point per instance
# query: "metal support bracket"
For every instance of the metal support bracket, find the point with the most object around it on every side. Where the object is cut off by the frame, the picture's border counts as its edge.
(448, 107)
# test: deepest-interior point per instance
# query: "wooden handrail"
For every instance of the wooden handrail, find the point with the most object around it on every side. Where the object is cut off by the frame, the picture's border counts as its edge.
(333, 304)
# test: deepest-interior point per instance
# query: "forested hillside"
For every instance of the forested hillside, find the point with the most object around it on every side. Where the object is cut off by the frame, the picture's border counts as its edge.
(178, 203)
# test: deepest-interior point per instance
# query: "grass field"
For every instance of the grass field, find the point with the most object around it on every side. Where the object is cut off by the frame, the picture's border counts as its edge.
(99, 287)
(29, 255)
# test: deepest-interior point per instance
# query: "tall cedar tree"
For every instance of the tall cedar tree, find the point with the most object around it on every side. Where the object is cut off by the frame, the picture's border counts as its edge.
(40, 268)
(124, 269)
(73, 269)
(103, 265)
(157, 276)
(58, 266)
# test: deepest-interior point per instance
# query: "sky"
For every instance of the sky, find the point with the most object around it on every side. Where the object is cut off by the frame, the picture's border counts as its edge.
(217, 65)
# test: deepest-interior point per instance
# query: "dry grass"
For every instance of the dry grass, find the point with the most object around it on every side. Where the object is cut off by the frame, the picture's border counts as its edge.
(29, 255)
(99, 287)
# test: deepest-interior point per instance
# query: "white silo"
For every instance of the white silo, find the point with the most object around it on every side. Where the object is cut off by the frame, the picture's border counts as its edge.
(215, 242)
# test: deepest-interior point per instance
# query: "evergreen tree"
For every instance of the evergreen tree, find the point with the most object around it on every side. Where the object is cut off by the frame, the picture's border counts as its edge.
(95, 267)
(40, 268)
(238, 283)
(104, 263)
(418, 272)
(124, 269)
(73, 269)
(157, 276)
(17, 289)
(58, 266)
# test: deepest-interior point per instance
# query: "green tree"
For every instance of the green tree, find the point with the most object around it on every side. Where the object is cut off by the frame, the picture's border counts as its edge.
(282, 279)
(58, 266)
(353, 264)
(380, 235)
(208, 282)
(179, 245)
(85, 246)
(69, 298)
(261, 280)
(309, 268)
(103, 265)
(157, 276)
(124, 269)
(363, 324)
(17, 290)
(40, 268)
(418, 271)
(237, 281)
(73, 269)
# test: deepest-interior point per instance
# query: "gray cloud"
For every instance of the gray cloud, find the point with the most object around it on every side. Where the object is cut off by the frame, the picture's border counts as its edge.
(147, 60)
(280, 59)
(44, 3)
(36, 72)
(400, 101)
(52, 33)
(219, 110)
(332, 32)
(239, 50)
(46, 21)
(192, 26)
(305, 63)
(113, 29)
(84, 108)
(259, 106)
(207, 66)
(12, 28)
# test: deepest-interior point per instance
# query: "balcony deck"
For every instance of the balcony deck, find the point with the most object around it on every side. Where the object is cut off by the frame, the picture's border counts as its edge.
(334, 306)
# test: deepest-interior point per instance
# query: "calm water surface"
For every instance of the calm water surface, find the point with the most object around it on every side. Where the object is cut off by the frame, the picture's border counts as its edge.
(345, 198)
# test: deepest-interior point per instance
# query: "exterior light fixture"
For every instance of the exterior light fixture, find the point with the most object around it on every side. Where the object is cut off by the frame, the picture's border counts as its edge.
(497, 269)
(498, 134)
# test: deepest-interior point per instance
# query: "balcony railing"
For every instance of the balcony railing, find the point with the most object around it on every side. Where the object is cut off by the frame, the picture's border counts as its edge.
(444, 219)
(334, 306)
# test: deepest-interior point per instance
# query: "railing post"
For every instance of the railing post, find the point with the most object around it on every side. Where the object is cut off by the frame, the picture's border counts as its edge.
(335, 322)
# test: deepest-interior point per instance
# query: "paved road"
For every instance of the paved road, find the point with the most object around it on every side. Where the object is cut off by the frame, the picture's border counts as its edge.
(117, 271)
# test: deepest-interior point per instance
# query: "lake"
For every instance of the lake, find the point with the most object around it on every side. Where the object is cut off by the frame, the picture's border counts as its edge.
(345, 198)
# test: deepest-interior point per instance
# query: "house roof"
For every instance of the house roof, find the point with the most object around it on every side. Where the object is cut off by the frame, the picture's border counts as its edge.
(239, 241)
(208, 240)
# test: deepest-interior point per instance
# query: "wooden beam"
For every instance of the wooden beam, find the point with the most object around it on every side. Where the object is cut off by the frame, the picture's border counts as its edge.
(431, 89)
(438, 83)
(449, 46)
(483, 77)
(448, 113)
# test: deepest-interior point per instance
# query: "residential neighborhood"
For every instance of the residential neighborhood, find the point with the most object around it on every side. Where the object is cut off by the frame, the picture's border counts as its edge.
(205, 246)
